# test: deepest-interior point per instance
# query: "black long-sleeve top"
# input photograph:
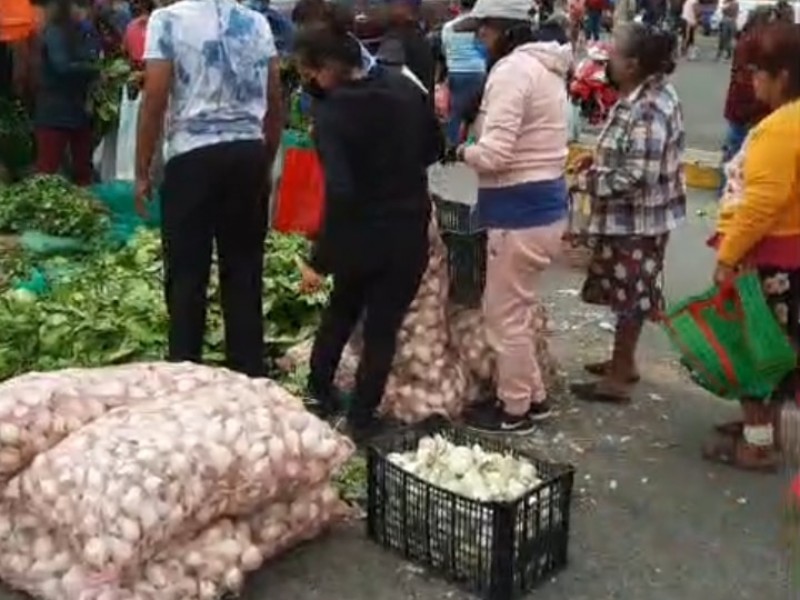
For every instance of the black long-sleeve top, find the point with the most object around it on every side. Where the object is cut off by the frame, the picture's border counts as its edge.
(375, 137)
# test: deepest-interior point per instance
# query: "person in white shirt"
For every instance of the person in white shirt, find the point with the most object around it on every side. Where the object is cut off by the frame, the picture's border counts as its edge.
(689, 27)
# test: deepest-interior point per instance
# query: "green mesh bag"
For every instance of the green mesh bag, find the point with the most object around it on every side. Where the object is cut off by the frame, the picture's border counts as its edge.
(730, 340)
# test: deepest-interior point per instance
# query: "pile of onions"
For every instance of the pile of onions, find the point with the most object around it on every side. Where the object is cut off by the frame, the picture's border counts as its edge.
(170, 497)
(124, 485)
(426, 377)
(199, 567)
(38, 410)
(444, 360)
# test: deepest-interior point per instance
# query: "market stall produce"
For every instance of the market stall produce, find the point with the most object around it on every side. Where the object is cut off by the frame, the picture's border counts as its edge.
(108, 308)
(475, 509)
(51, 205)
(443, 358)
(162, 482)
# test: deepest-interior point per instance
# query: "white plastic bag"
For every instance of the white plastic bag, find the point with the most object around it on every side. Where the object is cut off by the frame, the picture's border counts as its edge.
(104, 158)
(126, 136)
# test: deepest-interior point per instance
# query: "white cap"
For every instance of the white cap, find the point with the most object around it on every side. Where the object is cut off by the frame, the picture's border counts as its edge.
(516, 10)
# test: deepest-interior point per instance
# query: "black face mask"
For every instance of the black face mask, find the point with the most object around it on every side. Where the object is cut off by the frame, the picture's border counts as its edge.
(313, 89)
(610, 77)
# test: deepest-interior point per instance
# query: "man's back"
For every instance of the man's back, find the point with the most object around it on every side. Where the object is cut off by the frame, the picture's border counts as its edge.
(220, 53)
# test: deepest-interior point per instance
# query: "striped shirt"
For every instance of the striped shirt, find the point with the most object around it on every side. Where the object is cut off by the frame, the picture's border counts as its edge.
(636, 183)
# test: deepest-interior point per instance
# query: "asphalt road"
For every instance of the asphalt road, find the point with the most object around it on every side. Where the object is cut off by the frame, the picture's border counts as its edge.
(702, 85)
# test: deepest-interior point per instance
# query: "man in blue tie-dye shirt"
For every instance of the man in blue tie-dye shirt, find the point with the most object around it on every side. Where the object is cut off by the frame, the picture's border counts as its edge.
(211, 69)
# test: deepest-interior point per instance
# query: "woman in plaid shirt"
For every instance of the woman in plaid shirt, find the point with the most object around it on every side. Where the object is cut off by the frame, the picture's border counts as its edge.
(638, 195)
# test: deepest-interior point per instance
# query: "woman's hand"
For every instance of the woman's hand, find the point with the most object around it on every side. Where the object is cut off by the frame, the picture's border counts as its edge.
(580, 163)
(723, 273)
(310, 281)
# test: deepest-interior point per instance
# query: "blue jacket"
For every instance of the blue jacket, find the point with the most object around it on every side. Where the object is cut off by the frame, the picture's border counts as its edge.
(66, 73)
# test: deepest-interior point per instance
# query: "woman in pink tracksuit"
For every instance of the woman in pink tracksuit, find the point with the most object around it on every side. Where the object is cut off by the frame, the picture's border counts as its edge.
(520, 158)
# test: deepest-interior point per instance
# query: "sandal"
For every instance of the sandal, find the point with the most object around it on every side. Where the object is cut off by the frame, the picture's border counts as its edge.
(601, 369)
(591, 392)
(733, 451)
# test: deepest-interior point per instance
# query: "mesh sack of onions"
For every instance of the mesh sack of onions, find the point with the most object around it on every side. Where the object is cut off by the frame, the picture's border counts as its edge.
(38, 410)
(202, 567)
(124, 485)
(426, 378)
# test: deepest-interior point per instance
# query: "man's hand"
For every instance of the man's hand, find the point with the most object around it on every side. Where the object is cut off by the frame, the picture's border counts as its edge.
(311, 281)
(141, 197)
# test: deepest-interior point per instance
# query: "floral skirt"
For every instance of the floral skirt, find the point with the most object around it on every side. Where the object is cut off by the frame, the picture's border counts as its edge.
(782, 293)
(627, 275)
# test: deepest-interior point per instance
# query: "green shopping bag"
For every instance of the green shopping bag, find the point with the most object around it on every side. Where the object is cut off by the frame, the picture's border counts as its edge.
(730, 339)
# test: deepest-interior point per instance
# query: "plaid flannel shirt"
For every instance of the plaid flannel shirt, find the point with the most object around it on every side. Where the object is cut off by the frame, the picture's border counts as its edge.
(636, 182)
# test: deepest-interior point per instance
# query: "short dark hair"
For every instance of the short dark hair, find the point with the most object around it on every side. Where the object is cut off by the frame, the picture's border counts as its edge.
(321, 43)
(652, 47)
(775, 48)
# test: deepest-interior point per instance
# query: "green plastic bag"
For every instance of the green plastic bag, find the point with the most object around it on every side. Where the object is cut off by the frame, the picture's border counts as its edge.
(118, 196)
(41, 244)
(731, 341)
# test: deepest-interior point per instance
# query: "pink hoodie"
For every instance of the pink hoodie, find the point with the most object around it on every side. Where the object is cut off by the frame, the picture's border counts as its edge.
(522, 124)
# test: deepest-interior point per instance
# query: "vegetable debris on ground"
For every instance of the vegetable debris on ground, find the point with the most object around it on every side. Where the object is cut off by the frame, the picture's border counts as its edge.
(51, 205)
(110, 309)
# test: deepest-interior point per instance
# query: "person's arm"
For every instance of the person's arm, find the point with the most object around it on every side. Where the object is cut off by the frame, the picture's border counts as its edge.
(60, 58)
(339, 184)
(274, 119)
(503, 98)
(158, 56)
(769, 169)
(640, 159)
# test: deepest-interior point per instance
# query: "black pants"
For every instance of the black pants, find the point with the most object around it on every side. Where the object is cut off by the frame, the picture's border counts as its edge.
(215, 194)
(381, 288)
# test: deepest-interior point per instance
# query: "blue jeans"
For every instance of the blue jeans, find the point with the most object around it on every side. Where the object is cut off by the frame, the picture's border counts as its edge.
(594, 23)
(734, 138)
(464, 89)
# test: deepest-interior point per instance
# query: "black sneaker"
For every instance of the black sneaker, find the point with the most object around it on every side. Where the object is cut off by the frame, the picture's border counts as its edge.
(496, 420)
(539, 411)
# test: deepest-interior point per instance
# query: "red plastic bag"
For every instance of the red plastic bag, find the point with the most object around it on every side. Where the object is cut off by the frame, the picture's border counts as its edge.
(301, 194)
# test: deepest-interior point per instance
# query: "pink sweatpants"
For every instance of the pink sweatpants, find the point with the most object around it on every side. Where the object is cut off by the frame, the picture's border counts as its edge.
(516, 259)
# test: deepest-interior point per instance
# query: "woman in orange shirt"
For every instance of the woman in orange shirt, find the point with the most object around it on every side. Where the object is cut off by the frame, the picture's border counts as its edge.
(759, 228)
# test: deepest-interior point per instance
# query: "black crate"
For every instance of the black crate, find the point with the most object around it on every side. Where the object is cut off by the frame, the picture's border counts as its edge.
(455, 217)
(497, 550)
(466, 266)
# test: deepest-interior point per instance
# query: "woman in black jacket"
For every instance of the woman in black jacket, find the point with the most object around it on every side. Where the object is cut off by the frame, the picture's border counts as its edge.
(376, 134)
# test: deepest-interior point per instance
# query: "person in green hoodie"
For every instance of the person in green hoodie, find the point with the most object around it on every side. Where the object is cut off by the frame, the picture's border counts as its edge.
(68, 68)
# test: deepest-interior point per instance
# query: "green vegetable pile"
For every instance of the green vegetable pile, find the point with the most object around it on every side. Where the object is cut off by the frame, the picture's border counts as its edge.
(52, 205)
(110, 309)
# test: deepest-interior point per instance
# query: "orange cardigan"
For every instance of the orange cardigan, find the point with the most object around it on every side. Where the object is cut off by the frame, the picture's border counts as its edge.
(770, 208)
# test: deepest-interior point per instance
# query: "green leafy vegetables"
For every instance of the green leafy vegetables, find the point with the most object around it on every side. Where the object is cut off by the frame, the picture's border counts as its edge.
(52, 205)
(110, 309)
